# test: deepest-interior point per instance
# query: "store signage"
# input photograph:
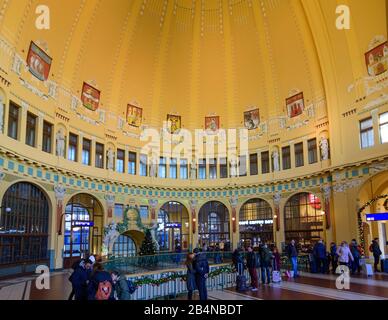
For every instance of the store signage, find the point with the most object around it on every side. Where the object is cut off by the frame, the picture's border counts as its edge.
(78, 223)
(255, 222)
(172, 225)
(382, 216)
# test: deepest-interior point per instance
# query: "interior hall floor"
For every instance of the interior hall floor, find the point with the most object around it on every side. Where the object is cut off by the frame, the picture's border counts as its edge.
(307, 287)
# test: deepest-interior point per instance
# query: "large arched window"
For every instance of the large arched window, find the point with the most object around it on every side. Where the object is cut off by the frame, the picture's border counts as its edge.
(83, 228)
(124, 246)
(303, 218)
(173, 227)
(256, 222)
(213, 223)
(24, 225)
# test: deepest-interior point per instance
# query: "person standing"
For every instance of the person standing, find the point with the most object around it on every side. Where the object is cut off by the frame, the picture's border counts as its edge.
(375, 249)
(80, 279)
(100, 286)
(252, 264)
(265, 262)
(238, 261)
(356, 253)
(344, 254)
(333, 257)
(319, 253)
(190, 275)
(292, 251)
(201, 268)
(276, 259)
(120, 286)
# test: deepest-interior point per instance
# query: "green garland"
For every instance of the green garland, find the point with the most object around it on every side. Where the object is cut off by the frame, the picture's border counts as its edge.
(182, 277)
(359, 217)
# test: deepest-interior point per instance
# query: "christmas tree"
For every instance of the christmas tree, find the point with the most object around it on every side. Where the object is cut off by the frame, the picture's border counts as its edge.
(148, 246)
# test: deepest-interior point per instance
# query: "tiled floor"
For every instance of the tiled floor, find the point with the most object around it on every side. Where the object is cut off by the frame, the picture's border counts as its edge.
(307, 287)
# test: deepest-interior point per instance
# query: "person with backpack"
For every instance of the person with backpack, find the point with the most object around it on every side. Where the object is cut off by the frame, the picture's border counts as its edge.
(201, 268)
(100, 285)
(80, 278)
(319, 253)
(265, 262)
(292, 252)
(252, 265)
(356, 253)
(120, 286)
(375, 250)
(190, 275)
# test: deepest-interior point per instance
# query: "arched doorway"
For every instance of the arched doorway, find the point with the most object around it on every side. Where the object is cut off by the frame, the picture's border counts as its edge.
(124, 246)
(213, 225)
(256, 222)
(83, 228)
(303, 219)
(24, 226)
(173, 227)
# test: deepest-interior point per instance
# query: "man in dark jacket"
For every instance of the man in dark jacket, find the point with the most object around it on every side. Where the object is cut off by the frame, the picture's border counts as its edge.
(319, 253)
(265, 262)
(333, 257)
(252, 264)
(238, 261)
(292, 251)
(120, 286)
(356, 253)
(80, 279)
(201, 267)
(375, 249)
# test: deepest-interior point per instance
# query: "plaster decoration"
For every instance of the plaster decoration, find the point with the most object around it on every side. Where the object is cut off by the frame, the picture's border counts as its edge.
(52, 89)
(2, 176)
(60, 146)
(110, 199)
(310, 111)
(282, 122)
(345, 185)
(120, 123)
(193, 204)
(111, 158)
(324, 145)
(382, 99)
(60, 191)
(111, 235)
(275, 157)
(233, 200)
(233, 167)
(277, 197)
(87, 119)
(153, 167)
(74, 103)
(326, 191)
(378, 167)
(376, 40)
(153, 203)
(263, 127)
(101, 116)
(33, 89)
(16, 64)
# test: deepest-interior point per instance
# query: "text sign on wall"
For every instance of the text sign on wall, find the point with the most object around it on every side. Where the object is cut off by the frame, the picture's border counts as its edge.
(83, 223)
(382, 216)
(172, 225)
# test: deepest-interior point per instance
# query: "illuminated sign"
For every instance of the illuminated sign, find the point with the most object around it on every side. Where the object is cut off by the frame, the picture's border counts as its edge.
(382, 216)
(255, 222)
(172, 225)
(79, 223)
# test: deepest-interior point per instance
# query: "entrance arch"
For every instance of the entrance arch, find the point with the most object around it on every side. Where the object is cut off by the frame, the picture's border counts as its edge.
(83, 228)
(24, 226)
(173, 226)
(303, 218)
(256, 222)
(213, 225)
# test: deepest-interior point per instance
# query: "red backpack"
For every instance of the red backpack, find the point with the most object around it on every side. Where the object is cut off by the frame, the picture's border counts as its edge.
(104, 290)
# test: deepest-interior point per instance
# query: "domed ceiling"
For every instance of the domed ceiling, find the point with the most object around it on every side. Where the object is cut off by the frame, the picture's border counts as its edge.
(192, 58)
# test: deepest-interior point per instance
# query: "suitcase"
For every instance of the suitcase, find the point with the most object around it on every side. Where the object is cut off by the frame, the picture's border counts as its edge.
(367, 268)
(276, 277)
(384, 265)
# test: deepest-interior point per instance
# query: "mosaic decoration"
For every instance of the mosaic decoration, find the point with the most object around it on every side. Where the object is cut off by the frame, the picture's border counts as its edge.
(38, 62)
(295, 105)
(175, 123)
(251, 119)
(90, 97)
(212, 123)
(376, 59)
(134, 115)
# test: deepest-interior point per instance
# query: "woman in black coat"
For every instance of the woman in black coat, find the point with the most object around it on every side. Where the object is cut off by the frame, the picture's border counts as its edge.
(190, 276)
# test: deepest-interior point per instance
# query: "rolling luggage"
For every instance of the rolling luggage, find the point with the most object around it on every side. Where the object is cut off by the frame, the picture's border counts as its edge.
(276, 276)
(384, 265)
(241, 280)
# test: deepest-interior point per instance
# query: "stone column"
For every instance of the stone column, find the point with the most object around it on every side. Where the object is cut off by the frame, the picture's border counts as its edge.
(277, 197)
(326, 193)
(233, 200)
(193, 208)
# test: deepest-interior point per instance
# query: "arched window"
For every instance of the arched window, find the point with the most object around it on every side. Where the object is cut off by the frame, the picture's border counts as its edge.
(213, 223)
(303, 218)
(83, 228)
(124, 246)
(173, 227)
(24, 225)
(256, 222)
